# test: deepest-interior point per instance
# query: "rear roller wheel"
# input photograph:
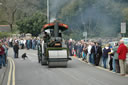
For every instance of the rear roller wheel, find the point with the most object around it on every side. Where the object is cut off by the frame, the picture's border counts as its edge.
(39, 53)
(43, 61)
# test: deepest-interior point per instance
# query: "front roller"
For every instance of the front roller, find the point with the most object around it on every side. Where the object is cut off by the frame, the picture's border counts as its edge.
(57, 57)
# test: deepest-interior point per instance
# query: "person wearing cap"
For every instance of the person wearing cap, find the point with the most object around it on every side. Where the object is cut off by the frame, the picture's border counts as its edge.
(122, 51)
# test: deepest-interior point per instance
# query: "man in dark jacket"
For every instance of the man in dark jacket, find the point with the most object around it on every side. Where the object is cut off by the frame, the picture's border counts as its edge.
(16, 50)
(99, 54)
(122, 51)
(94, 53)
(70, 46)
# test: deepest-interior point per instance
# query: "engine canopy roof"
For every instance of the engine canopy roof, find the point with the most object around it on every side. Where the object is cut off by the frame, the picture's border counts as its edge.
(62, 26)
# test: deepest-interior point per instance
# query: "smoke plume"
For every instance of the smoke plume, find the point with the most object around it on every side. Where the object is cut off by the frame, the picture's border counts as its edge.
(101, 18)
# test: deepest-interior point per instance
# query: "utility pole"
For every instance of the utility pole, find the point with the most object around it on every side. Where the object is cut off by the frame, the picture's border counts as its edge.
(48, 12)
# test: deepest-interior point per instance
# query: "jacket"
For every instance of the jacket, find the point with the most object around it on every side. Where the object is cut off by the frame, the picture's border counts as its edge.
(99, 50)
(122, 51)
(1, 50)
(115, 52)
(106, 50)
(16, 48)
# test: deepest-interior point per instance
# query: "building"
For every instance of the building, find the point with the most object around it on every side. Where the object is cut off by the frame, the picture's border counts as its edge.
(5, 28)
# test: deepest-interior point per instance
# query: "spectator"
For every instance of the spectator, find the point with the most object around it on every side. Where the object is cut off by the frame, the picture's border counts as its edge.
(16, 50)
(116, 67)
(99, 54)
(89, 52)
(75, 48)
(22, 43)
(93, 53)
(122, 51)
(84, 52)
(2, 60)
(79, 49)
(33, 43)
(10, 42)
(5, 46)
(70, 46)
(111, 58)
(30, 44)
(106, 50)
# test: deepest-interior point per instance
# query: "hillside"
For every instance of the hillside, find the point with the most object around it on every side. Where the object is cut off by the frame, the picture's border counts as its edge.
(100, 18)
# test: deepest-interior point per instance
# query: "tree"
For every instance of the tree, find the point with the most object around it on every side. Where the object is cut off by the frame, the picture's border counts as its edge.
(12, 10)
(32, 24)
(125, 14)
(97, 17)
(9, 8)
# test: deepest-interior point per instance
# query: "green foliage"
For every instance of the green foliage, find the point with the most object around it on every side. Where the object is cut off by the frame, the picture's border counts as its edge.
(4, 34)
(104, 22)
(125, 13)
(74, 34)
(73, 13)
(74, 7)
(32, 24)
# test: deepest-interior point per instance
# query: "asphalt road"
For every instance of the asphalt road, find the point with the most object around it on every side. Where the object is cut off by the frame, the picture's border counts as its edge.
(30, 72)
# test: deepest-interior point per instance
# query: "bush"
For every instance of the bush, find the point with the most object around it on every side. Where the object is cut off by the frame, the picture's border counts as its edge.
(4, 34)
(32, 24)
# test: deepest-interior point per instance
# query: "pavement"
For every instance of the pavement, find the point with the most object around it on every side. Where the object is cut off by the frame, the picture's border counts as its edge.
(2, 74)
(99, 67)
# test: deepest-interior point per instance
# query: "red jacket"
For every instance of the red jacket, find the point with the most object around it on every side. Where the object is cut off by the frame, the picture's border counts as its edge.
(122, 51)
(1, 50)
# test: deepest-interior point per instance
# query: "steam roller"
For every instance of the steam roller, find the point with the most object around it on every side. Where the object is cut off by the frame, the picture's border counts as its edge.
(52, 51)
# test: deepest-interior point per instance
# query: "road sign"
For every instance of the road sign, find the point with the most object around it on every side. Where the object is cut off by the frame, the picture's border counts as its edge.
(123, 27)
(85, 34)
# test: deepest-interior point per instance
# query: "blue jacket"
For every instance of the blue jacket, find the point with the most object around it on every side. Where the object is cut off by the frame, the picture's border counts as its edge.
(105, 52)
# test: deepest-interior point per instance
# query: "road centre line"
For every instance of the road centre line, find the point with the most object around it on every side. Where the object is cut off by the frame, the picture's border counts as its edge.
(13, 78)
(11, 72)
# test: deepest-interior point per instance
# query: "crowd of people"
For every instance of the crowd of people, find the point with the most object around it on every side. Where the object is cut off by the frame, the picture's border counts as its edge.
(22, 43)
(3, 53)
(90, 52)
(96, 53)
(16, 44)
(30, 43)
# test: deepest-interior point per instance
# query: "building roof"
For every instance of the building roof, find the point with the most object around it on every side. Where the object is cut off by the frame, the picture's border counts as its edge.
(5, 28)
